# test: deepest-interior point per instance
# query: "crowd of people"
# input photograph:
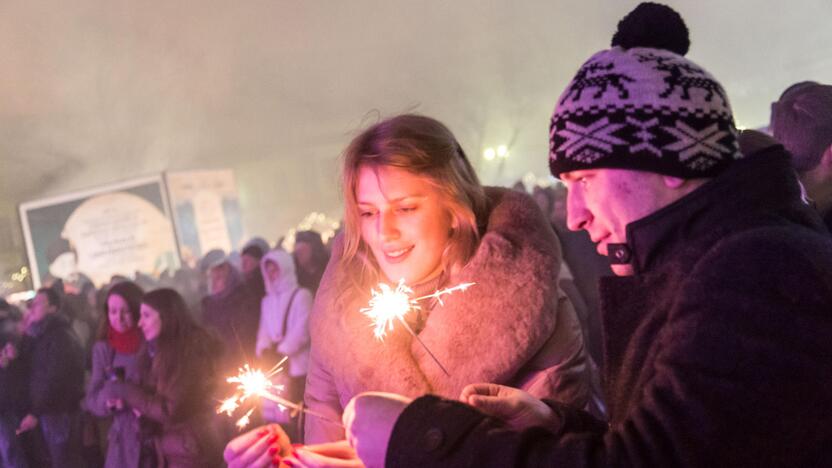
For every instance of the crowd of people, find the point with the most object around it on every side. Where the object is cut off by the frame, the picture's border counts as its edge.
(694, 332)
(128, 375)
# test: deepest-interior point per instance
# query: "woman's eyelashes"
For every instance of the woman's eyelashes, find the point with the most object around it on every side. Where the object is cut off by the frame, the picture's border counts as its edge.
(367, 213)
(405, 209)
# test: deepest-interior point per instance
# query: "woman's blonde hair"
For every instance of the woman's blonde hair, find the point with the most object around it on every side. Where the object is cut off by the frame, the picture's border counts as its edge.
(425, 147)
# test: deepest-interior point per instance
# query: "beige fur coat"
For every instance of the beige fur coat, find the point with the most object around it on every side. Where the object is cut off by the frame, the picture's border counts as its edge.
(513, 327)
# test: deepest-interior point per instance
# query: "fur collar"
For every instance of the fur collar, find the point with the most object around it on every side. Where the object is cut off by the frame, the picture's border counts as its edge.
(485, 334)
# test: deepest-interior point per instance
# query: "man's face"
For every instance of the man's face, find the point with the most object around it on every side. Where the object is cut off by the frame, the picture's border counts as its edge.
(39, 308)
(604, 201)
(249, 263)
(303, 254)
(218, 278)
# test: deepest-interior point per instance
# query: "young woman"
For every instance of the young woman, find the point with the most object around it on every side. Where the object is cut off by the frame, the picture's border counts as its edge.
(284, 331)
(178, 398)
(119, 354)
(415, 210)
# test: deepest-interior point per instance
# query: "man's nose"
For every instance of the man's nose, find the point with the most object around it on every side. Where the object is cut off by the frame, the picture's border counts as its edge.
(577, 216)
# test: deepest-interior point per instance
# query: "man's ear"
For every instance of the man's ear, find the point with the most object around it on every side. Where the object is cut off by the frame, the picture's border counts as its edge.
(673, 182)
(826, 159)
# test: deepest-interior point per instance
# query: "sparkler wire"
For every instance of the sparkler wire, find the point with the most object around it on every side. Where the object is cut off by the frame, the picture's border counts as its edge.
(424, 346)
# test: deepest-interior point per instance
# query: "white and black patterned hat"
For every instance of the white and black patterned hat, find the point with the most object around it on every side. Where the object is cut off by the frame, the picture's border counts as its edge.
(641, 105)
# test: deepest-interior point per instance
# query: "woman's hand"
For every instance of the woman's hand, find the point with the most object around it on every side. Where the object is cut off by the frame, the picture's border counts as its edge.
(259, 447)
(28, 423)
(9, 351)
(115, 404)
(330, 455)
(516, 408)
(117, 390)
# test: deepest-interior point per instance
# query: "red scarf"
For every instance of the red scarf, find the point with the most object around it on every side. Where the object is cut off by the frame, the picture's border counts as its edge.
(127, 342)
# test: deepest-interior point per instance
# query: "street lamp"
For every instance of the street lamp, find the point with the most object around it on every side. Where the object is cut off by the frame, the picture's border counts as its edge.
(501, 153)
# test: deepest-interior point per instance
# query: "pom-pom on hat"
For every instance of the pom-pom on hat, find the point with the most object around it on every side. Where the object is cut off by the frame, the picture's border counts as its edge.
(641, 105)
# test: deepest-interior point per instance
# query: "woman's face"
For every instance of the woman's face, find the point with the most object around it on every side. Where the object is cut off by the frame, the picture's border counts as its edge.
(272, 271)
(404, 222)
(150, 322)
(118, 312)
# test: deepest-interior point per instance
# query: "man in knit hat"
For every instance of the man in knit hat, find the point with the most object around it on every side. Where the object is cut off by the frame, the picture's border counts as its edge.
(802, 121)
(717, 323)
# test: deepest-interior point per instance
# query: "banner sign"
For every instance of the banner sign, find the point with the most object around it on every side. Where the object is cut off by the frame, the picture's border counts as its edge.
(118, 229)
(206, 211)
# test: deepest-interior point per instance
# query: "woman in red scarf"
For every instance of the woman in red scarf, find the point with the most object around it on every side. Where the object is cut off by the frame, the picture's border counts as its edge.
(119, 354)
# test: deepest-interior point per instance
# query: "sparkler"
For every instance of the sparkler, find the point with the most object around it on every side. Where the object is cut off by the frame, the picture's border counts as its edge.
(388, 305)
(254, 383)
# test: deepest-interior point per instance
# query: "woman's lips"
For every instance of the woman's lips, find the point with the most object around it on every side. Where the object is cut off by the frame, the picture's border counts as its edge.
(398, 255)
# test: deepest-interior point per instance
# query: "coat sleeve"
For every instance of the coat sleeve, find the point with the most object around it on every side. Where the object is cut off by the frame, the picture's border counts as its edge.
(152, 405)
(321, 397)
(296, 336)
(263, 341)
(95, 400)
(741, 379)
(162, 407)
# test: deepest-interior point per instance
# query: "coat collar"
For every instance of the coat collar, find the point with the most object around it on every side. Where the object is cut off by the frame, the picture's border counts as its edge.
(761, 186)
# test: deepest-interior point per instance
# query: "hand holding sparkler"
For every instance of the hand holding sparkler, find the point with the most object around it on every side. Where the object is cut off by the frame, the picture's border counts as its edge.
(263, 446)
(388, 305)
(255, 383)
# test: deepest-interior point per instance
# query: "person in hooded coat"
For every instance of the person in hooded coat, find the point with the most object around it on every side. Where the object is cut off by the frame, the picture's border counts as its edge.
(284, 332)
(232, 312)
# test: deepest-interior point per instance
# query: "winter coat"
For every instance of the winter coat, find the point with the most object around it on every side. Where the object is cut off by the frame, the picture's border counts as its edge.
(182, 409)
(284, 315)
(55, 362)
(233, 315)
(718, 349)
(125, 435)
(513, 327)
(14, 396)
(587, 268)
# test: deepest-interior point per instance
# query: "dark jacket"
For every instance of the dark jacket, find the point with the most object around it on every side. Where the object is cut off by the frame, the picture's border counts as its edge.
(55, 361)
(14, 395)
(234, 317)
(718, 349)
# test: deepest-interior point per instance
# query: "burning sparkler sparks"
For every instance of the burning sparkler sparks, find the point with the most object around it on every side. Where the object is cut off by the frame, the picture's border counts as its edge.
(228, 406)
(254, 383)
(388, 305)
(243, 422)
